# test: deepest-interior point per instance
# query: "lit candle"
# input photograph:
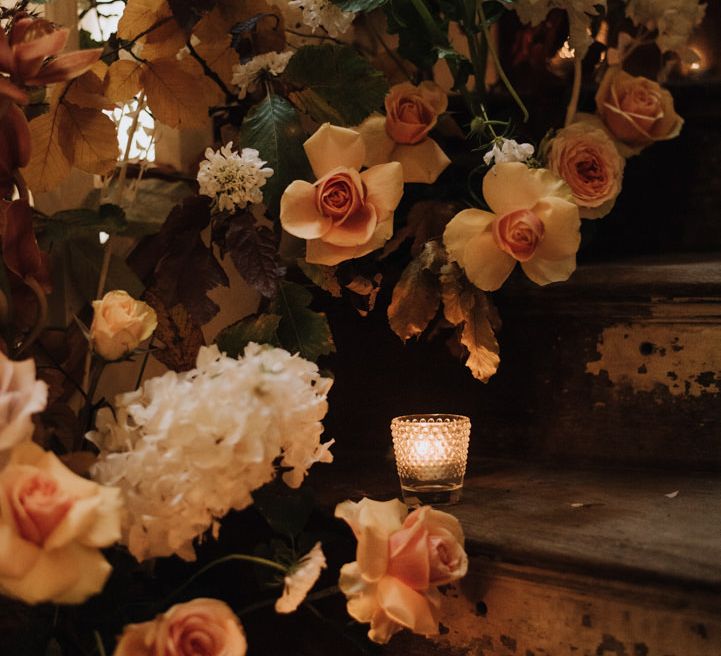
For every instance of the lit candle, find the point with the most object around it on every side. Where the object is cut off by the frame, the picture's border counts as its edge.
(431, 453)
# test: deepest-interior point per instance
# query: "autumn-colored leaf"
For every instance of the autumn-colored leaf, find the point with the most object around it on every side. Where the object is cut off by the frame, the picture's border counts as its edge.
(48, 165)
(220, 57)
(122, 81)
(141, 15)
(426, 220)
(88, 138)
(466, 306)
(164, 41)
(88, 89)
(323, 276)
(178, 92)
(417, 294)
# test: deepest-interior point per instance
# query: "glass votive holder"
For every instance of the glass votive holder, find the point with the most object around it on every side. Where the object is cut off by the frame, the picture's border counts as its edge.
(431, 454)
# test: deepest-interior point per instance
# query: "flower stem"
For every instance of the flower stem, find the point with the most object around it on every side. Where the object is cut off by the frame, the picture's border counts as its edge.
(42, 314)
(575, 91)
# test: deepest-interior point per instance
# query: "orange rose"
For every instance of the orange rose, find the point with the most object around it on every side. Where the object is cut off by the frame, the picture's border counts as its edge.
(200, 626)
(402, 135)
(636, 110)
(345, 213)
(586, 157)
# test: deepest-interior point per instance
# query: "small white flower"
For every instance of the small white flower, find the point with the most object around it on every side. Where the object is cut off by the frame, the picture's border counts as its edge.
(324, 14)
(675, 20)
(232, 180)
(246, 75)
(301, 579)
(508, 150)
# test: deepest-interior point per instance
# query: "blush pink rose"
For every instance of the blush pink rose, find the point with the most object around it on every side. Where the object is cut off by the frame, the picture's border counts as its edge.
(585, 156)
(52, 527)
(201, 627)
(636, 110)
(400, 561)
(346, 213)
(120, 324)
(518, 233)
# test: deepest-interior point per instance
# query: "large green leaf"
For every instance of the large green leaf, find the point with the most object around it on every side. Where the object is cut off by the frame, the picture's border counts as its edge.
(71, 224)
(273, 128)
(286, 510)
(301, 330)
(260, 328)
(341, 78)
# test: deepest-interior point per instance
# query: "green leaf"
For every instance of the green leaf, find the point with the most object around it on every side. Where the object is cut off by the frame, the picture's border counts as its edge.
(358, 6)
(286, 510)
(273, 128)
(301, 330)
(323, 276)
(260, 328)
(71, 224)
(418, 34)
(341, 78)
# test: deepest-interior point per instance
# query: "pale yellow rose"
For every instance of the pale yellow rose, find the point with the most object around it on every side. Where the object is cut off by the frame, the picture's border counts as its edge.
(21, 396)
(52, 527)
(201, 626)
(533, 220)
(400, 561)
(586, 157)
(402, 134)
(120, 324)
(345, 214)
(636, 110)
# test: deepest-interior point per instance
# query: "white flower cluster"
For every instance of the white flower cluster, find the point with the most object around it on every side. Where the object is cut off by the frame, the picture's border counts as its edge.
(579, 17)
(232, 180)
(508, 150)
(674, 20)
(187, 448)
(246, 75)
(325, 14)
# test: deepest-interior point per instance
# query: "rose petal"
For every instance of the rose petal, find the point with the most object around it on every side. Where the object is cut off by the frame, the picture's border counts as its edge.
(378, 144)
(462, 227)
(17, 556)
(384, 185)
(543, 272)
(486, 265)
(356, 230)
(30, 55)
(407, 607)
(422, 162)
(513, 186)
(299, 214)
(332, 146)
(562, 228)
(409, 556)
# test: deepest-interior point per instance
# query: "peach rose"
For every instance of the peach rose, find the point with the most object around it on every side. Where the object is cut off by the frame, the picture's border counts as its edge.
(400, 561)
(402, 135)
(533, 220)
(345, 213)
(120, 323)
(636, 110)
(201, 626)
(587, 159)
(52, 526)
(21, 396)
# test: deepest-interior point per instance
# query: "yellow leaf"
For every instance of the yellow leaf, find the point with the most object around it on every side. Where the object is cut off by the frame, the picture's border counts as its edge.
(141, 15)
(123, 80)
(220, 57)
(48, 166)
(269, 32)
(165, 41)
(88, 89)
(178, 92)
(88, 137)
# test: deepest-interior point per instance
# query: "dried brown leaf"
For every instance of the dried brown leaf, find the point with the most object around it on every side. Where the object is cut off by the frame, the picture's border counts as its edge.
(426, 220)
(164, 41)
(220, 57)
(88, 90)
(122, 81)
(141, 15)
(48, 165)
(88, 138)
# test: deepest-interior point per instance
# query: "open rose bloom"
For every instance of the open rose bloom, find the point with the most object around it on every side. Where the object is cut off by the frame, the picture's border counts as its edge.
(52, 527)
(636, 110)
(402, 134)
(586, 157)
(401, 560)
(533, 220)
(201, 627)
(346, 213)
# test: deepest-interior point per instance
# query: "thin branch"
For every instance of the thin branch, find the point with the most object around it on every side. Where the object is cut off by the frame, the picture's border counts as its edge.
(42, 315)
(209, 71)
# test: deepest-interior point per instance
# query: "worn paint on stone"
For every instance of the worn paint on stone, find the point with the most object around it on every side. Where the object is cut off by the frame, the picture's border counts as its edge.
(684, 359)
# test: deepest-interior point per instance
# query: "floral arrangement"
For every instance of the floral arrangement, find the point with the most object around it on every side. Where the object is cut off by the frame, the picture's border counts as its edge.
(349, 145)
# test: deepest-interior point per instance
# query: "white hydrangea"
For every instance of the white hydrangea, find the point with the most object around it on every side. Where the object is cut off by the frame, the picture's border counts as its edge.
(675, 20)
(246, 75)
(187, 448)
(301, 578)
(579, 17)
(508, 150)
(325, 14)
(233, 180)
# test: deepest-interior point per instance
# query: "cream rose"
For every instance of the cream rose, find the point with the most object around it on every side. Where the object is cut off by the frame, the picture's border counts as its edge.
(402, 134)
(52, 526)
(587, 159)
(346, 213)
(120, 323)
(636, 110)
(400, 561)
(21, 396)
(533, 220)
(201, 626)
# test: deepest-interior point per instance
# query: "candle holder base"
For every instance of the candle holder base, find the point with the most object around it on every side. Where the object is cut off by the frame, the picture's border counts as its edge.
(431, 495)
